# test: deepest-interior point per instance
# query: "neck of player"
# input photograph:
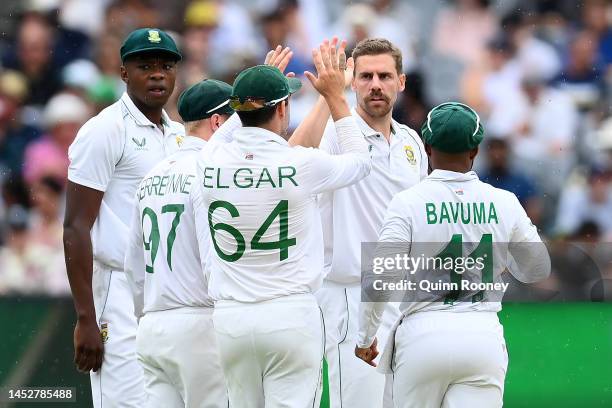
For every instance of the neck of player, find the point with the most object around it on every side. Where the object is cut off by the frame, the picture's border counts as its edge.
(457, 162)
(154, 114)
(381, 124)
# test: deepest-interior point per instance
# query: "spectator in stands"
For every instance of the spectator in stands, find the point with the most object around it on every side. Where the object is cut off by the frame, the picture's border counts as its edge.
(595, 16)
(46, 229)
(591, 202)
(21, 263)
(582, 78)
(494, 88)
(463, 29)
(500, 174)
(535, 56)
(33, 58)
(46, 196)
(14, 134)
(546, 152)
(63, 116)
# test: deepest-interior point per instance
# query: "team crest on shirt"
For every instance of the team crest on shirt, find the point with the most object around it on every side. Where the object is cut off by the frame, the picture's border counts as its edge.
(104, 332)
(409, 154)
(154, 36)
(179, 140)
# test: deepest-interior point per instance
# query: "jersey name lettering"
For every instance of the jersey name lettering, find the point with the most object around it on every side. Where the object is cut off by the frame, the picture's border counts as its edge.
(162, 185)
(465, 213)
(245, 177)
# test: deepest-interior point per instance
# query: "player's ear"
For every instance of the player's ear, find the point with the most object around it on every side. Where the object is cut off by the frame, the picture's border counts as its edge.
(428, 149)
(473, 153)
(281, 108)
(215, 122)
(124, 74)
(402, 82)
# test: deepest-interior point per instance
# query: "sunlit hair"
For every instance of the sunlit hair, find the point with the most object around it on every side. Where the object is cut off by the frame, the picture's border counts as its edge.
(378, 46)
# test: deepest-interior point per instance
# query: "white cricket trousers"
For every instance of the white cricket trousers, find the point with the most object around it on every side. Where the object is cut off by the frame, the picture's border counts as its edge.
(178, 351)
(449, 360)
(352, 382)
(119, 383)
(271, 351)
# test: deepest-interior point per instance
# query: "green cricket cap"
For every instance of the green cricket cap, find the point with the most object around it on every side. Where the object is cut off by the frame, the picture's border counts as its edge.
(202, 100)
(452, 127)
(149, 40)
(261, 86)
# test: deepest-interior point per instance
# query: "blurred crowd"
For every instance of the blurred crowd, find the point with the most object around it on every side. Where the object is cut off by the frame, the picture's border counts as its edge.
(538, 72)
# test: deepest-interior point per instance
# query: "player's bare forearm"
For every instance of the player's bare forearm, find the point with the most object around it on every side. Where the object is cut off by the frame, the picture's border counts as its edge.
(310, 131)
(338, 106)
(79, 260)
(82, 206)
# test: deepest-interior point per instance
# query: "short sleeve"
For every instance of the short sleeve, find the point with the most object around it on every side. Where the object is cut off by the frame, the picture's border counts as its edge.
(95, 152)
(397, 225)
(523, 229)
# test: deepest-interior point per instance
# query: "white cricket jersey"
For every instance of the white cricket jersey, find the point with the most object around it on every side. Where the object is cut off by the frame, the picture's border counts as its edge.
(164, 261)
(259, 198)
(449, 206)
(354, 214)
(111, 153)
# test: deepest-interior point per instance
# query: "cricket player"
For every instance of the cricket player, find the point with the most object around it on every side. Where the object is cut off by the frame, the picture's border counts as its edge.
(266, 259)
(354, 214)
(448, 349)
(164, 263)
(108, 158)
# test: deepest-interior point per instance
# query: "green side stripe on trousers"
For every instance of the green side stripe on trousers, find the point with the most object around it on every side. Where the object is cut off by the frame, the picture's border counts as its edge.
(325, 393)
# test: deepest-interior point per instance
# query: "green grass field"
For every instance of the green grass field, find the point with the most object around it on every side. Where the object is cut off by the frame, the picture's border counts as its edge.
(560, 354)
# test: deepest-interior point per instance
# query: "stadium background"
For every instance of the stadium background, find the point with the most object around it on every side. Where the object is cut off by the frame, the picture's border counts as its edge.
(537, 71)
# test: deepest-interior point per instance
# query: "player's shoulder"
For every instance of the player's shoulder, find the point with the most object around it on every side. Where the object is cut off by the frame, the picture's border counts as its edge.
(412, 196)
(176, 128)
(107, 120)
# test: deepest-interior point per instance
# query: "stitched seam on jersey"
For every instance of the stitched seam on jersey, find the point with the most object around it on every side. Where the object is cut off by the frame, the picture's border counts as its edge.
(348, 315)
(130, 114)
(124, 141)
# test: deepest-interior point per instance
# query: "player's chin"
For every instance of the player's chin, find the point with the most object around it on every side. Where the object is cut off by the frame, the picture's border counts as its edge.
(378, 109)
(156, 99)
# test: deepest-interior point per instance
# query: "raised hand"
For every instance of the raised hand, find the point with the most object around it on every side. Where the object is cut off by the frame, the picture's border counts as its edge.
(330, 63)
(279, 58)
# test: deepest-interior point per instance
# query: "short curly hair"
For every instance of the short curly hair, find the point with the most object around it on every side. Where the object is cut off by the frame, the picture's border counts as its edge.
(378, 46)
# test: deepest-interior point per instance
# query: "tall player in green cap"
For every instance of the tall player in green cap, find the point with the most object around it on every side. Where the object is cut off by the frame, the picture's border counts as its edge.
(448, 348)
(259, 197)
(108, 159)
(164, 262)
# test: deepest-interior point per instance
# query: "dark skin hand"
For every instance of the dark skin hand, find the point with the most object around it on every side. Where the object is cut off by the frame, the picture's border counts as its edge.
(368, 354)
(82, 206)
(150, 81)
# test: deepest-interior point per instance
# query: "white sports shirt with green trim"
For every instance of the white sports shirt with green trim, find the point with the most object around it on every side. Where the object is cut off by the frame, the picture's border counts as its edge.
(354, 214)
(111, 153)
(449, 207)
(164, 261)
(259, 198)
